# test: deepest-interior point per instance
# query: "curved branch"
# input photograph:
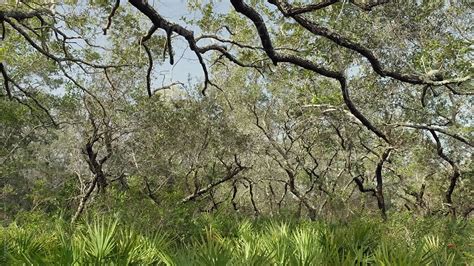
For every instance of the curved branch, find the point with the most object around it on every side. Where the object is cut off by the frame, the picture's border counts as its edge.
(162, 23)
(454, 176)
(150, 33)
(150, 68)
(368, 6)
(285, 7)
(311, 7)
(53, 57)
(232, 172)
(6, 80)
(220, 39)
(111, 15)
(437, 129)
(224, 52)
(360, 185)
(250, 13)
(458, 92)
(350, 105)
(377, 192)
(379, 179)
(21, 15)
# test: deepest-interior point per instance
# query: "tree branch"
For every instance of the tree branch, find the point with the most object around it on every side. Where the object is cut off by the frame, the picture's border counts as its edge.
(111, 15)
(250, 13)
(310, 8)
(454, 176)
(230, 174)
(284, 8)
(6, 80)
(149, 69)
(160, 22)
(437, 129)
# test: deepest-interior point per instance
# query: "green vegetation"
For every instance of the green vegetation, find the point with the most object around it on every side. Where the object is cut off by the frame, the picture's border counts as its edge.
(215, 241)
(236, 132)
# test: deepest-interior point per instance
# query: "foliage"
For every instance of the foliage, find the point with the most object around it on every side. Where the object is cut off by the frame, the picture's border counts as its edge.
(363, 241)
(246, 132)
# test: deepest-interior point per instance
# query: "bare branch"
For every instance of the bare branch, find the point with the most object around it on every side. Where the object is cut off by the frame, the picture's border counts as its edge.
(169, 46)
(52, 56)
(379, 179)
(310, 8)
(160, 22)
(150, 68)
(369, 6)
(437, 129)
(458, 92)
(6, 80)
(111, 15)
(21, 15)
(84, 198)
(454, 176)
(230, 174)
(223, 51)
(150, 33)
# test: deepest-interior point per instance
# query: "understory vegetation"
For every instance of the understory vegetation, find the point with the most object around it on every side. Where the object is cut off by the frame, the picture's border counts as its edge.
(219, 240)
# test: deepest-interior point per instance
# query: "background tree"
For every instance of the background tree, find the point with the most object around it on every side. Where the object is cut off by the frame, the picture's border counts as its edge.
(318, 109)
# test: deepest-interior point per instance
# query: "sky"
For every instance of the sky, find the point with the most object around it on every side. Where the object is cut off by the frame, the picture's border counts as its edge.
(186, 68)
(186, 64)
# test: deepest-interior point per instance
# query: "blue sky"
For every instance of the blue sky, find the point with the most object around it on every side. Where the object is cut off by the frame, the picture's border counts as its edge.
(186, 64)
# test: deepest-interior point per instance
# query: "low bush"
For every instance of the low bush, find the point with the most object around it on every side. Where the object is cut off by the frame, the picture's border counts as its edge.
(362, 241)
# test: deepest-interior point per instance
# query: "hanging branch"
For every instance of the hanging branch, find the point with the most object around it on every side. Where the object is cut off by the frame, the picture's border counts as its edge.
(169, 46)
(150, 68)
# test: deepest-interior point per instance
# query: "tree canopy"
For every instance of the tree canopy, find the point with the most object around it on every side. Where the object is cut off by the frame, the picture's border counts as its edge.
(313, 109)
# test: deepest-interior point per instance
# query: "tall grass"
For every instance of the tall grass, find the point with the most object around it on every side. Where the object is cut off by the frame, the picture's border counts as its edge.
(360, 242)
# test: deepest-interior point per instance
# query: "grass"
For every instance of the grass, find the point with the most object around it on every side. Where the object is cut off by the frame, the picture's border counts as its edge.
(107, 241)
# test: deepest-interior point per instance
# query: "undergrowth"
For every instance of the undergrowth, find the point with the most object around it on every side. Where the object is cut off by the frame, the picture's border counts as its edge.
(403, 240)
